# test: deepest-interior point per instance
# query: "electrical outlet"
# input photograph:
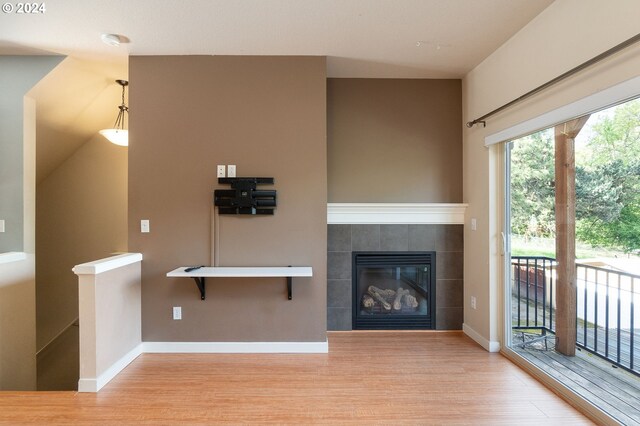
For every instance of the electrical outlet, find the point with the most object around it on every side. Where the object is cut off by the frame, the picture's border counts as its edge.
(221, 171)
(231, 170)
(144, 226)
(177, 312)
(473, 302)
(1, 225)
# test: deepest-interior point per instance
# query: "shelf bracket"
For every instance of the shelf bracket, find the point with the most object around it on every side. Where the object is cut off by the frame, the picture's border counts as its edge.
(200, 283)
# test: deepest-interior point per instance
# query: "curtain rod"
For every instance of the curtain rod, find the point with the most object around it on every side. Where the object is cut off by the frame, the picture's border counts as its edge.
(561, 77)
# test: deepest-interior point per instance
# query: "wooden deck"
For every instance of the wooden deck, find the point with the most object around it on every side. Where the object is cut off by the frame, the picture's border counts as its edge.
(388, 378)
(613, 390)
(597, 338)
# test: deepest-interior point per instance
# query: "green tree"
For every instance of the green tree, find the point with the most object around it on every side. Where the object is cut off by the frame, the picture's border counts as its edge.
(608, 181)
(615, 137)
(601, 191)
(532, 185)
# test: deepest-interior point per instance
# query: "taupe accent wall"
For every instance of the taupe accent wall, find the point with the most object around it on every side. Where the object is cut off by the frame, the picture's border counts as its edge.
(266, 115)
(396, 141)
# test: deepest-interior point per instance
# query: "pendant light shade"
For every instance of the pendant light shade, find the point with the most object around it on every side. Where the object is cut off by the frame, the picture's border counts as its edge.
(118, 134)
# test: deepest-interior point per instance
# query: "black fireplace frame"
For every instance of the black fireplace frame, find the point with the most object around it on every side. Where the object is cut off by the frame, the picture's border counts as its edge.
(388, 321)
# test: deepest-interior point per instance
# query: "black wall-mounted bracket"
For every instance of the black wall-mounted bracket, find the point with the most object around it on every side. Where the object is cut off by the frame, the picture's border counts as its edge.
(200, 282)
(244, 198)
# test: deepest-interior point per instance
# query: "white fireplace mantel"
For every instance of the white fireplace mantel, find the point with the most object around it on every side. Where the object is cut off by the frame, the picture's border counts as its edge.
(396, 213)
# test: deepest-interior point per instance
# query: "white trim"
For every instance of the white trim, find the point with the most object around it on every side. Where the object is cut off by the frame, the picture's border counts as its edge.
(236, 347)
(491, 346)
(613, 95)
(88, 385)
(396, 213)
(107, 264)
(94, 385)
(12, 256)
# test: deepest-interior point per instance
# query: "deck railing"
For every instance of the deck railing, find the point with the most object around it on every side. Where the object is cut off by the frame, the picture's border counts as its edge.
(608, 307)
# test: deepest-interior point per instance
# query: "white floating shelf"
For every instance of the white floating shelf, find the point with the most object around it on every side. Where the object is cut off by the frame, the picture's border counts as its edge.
(200, 274)
(244, 271)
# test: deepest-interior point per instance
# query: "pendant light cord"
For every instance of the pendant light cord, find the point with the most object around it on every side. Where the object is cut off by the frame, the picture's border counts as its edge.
(120, 119)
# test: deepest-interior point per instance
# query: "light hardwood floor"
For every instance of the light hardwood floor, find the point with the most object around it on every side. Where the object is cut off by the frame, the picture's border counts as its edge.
(367, 378)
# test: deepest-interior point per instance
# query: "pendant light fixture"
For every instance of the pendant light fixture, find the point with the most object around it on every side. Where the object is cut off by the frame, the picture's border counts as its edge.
(118, 134)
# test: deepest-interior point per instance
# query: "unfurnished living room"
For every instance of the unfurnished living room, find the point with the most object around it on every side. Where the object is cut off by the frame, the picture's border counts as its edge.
(320, 212)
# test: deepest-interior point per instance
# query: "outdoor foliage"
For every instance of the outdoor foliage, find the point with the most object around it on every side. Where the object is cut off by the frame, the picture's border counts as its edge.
(607, 182)
(532, 186)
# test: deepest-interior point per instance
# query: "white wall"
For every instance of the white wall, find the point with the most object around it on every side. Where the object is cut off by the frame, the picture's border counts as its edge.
(18, 74)
(81, 216)
(17, 178)
(18, 325)
(17, 162)
(110, 318)
(566, 34)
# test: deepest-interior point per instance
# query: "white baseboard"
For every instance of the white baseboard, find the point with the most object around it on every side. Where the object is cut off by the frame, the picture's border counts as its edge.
(487, 344)
(94, 385)
(236, 347)
(87, 385)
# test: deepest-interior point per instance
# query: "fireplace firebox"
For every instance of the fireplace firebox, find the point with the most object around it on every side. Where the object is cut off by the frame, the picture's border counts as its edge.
(393, 290)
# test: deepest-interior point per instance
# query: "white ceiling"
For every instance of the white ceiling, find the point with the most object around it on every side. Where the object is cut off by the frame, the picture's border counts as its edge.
(361, 38)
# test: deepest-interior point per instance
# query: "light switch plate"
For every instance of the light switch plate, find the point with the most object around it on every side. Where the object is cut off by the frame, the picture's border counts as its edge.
(1, 225)
(474, 224)
(221, 171)
(144, 226)
(177, 312)
(231, 170)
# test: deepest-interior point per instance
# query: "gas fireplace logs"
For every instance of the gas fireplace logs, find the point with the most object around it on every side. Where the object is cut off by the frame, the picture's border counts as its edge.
(410, 301)
(377, 294)
(368, 302)
(388, 299)
(397, 303)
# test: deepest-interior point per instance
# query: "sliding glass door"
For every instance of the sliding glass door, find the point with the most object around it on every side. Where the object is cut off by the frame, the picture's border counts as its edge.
(572, 237)
(529, 236)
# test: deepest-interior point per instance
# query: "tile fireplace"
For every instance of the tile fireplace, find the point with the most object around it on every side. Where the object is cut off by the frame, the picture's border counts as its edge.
(445, 241)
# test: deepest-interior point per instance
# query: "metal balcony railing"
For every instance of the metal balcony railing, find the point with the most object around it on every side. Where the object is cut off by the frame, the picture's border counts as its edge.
(608, 307)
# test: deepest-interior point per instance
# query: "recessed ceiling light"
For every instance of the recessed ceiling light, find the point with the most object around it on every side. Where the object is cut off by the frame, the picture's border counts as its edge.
(432, 44)
(111, 39)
